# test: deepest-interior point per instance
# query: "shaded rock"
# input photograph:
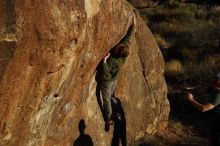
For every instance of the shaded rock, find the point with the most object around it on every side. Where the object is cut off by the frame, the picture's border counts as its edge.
(48, 84)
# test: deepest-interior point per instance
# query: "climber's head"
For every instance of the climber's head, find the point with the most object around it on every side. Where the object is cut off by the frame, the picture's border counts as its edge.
(82, 126)
(121, 50)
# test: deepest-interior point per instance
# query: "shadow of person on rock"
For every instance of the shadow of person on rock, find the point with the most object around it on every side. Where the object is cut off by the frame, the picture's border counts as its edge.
(98, 87)
(119, 119)
(83, 139)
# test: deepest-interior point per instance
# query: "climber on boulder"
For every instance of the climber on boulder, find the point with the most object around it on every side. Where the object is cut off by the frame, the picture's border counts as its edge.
(110, 68)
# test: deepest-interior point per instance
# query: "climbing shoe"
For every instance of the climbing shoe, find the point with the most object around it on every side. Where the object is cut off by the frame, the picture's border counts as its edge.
(107, 125)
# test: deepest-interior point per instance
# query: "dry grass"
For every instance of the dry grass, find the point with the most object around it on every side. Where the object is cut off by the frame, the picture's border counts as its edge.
(161, 41)
(202, 72)
(174, 68)
(189, 38)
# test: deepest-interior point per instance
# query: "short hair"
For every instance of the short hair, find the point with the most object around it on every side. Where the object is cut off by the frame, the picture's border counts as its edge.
(120, 50)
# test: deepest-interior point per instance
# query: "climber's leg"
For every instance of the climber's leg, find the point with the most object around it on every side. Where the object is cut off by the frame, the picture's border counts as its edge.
(106, 91)
(114, 84)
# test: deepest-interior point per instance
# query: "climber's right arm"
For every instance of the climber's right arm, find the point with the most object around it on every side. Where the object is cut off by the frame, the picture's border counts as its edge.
(127, 38)
(105, 67)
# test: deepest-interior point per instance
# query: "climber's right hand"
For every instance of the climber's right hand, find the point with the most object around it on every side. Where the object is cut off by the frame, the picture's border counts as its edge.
(106, 57)
(189, 96)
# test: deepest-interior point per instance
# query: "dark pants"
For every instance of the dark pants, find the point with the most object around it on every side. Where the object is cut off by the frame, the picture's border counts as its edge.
(107, 91)
(215, 139)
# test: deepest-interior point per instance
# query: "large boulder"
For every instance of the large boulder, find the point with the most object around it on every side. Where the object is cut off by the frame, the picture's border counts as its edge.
(48, 82)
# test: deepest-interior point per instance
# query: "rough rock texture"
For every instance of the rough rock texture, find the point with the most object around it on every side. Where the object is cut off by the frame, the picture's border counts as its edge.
(48, 83)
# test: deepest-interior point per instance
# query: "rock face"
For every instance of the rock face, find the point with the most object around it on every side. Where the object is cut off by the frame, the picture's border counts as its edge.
(48, 82)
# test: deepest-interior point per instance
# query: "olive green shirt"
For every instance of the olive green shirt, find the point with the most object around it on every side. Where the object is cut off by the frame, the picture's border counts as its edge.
(111, 68)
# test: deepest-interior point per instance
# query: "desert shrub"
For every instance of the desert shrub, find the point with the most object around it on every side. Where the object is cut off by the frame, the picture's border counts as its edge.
(173, 69)
(172, 3)
(214, 14)
(201, 14)
(177, 127)
(173, 53)
(188, 54)
(189, 39)
(161, 41)
(202, 71)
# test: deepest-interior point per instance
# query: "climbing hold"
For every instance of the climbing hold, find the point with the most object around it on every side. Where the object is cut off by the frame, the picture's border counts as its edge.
(55, 95)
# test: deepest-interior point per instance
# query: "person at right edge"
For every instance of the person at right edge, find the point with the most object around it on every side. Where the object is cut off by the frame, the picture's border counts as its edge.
(213, 104)
(110, 67)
